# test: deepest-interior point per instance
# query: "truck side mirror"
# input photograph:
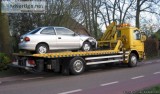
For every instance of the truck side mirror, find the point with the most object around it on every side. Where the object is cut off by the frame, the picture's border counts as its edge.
(143, 37)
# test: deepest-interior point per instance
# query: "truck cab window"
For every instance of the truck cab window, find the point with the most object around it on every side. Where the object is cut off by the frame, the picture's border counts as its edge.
(137, 35)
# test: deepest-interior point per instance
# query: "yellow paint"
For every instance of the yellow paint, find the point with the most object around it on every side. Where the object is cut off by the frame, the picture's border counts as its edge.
(123, 37)
(71, 54)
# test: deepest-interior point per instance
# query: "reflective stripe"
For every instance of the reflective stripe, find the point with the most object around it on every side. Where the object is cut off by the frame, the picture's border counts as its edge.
(127, 52)
(101, 62)
(102, 57)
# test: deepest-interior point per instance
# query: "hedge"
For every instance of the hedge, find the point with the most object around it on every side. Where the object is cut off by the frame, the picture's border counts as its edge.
(4, 61)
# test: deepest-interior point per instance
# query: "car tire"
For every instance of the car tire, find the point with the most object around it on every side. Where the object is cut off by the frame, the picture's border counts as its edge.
(86, 46)
(77, 65)
(133, 60)
(42, 48)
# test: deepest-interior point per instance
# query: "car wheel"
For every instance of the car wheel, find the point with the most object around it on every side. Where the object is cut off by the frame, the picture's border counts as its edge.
(86, 46)
(42, 48)
(77, 65)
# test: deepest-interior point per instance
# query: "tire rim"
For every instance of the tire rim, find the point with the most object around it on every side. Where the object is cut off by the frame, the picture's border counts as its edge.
(42, 49)
(78, 66)
(86, 47)
(133, 60)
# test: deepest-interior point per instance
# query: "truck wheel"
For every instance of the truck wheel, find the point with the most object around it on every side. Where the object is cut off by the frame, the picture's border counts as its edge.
(42, 48)
(77, 65)
(132, 60)
(86, 46)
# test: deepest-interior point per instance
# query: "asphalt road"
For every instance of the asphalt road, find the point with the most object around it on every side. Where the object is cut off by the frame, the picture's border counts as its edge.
(100, 80)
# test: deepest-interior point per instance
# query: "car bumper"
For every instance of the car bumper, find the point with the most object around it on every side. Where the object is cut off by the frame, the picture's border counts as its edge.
(26, 46)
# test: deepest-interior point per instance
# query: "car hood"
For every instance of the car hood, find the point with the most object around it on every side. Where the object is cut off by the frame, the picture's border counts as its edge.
(89, 38)
(84, 37)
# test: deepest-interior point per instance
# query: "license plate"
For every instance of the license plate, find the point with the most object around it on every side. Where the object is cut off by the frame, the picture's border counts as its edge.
(15, 63)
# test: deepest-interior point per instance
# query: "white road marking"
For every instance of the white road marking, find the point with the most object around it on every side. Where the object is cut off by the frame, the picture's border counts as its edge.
(156, 73)
(106, 84)
(137, 77)
(72, 91)
(33, 78)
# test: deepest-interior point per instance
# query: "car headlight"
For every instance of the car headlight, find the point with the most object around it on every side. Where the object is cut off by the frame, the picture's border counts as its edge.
(91, 40)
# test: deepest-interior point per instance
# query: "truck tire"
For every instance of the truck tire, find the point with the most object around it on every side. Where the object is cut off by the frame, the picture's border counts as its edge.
(133, 60)
(77, 65)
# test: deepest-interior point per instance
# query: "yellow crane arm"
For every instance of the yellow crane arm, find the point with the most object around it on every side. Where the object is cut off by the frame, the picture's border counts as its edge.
(109, 33)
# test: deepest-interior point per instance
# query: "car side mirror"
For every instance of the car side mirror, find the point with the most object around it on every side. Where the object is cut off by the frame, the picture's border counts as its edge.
(143, 37)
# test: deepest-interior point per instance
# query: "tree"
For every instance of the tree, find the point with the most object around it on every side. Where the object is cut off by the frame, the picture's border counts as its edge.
(90, 11)
(123, 8)
(5, 42)
(138, 11)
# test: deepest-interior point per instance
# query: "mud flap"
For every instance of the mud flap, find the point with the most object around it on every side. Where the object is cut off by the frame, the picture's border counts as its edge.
(39, 66)
(65, 69)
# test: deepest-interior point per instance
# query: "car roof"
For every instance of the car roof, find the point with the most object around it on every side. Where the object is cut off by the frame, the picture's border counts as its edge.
(51, 26)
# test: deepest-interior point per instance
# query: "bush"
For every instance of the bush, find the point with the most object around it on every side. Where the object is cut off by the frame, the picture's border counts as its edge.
(4, 61)
(151, 48)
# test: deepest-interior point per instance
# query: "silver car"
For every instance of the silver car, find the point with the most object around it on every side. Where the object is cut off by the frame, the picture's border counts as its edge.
(44, 39)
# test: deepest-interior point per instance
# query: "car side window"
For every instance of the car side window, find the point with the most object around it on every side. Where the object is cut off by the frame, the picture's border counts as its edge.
(48, 31)
(34, 31)
(137, 35)
(63, 31)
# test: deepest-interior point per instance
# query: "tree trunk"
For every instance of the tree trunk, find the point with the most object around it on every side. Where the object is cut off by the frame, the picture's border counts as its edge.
(138, 14)
(5, 44)
(137, 19)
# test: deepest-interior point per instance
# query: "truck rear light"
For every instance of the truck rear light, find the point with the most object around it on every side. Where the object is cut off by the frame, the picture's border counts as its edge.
(31, 62)
(26, 39)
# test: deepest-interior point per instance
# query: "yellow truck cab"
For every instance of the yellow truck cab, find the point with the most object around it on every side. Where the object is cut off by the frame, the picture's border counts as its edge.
(132, 39)
(119, 44)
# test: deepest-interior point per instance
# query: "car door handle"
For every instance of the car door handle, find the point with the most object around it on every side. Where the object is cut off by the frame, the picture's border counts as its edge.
(59, 37)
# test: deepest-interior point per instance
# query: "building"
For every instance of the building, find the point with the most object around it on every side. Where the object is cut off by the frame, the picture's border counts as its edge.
(68, 22)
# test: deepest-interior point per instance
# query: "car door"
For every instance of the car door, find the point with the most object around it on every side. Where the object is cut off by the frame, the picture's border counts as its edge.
(67, 39)
(48, 36)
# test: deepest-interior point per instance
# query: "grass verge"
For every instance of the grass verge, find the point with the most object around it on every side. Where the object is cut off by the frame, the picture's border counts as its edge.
(151, 90)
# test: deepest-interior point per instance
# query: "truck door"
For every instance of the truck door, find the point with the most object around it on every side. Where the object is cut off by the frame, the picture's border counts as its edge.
(136, 42)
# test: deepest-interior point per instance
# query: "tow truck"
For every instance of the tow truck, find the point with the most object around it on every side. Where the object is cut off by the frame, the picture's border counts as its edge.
(119, 44)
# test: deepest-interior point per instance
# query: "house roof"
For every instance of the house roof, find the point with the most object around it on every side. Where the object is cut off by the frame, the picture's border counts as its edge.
(67, 21)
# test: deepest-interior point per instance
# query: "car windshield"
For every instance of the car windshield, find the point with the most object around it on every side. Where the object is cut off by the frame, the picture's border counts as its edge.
(34, 31)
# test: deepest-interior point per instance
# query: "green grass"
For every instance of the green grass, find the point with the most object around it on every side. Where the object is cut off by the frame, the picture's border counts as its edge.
(151, 90)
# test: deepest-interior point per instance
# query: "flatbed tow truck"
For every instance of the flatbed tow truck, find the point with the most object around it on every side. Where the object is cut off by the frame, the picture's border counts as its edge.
(119, 44)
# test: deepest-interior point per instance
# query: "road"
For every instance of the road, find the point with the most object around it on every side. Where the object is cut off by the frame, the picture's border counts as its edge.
(103, 80)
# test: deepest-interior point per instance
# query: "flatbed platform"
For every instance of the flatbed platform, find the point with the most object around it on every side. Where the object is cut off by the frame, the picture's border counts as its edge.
(69, 54)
